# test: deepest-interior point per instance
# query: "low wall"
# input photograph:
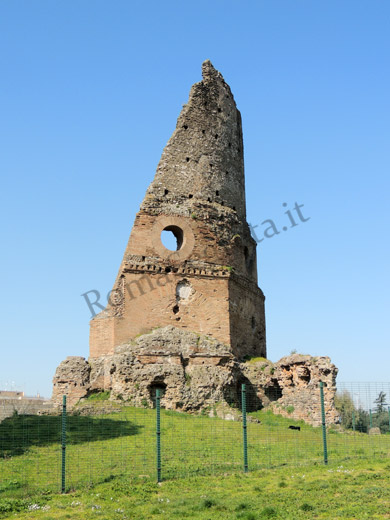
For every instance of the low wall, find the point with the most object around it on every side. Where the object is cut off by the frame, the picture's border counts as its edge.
(23, 406)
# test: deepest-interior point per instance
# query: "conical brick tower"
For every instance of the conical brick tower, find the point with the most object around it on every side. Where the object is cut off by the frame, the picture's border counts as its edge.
(208, 284)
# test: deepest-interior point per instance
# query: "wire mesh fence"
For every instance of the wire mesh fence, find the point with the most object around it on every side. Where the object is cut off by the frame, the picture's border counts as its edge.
(79, 448)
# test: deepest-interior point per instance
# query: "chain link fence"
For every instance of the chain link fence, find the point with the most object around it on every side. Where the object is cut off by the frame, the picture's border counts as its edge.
(100, 441)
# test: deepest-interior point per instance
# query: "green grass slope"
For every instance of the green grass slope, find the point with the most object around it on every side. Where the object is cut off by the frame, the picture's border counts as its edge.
(111, 468)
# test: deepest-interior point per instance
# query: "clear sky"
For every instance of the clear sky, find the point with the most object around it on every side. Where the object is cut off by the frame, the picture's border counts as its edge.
(89, 95)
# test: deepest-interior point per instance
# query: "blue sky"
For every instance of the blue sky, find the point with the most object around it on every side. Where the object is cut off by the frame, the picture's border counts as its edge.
(89, 95)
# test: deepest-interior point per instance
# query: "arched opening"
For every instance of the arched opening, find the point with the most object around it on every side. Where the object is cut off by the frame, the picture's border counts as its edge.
(153, 387)
(233, 395)
(172, 238)
(304, 374)
(273, 391)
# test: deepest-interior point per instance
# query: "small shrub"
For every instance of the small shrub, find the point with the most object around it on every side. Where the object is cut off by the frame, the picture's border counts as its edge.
(282, 484)
(268, 512)
(228, 268)
(290, 409)
(306, 507)
(11, 484)
(205, 411)
(208, 503)
(10, 505)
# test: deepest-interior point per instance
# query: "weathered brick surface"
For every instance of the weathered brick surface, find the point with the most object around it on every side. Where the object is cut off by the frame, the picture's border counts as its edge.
(290, 387)
(72, 378)
(199, 194)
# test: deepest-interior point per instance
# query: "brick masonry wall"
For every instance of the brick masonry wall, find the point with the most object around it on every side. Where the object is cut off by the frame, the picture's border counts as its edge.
(198, 194)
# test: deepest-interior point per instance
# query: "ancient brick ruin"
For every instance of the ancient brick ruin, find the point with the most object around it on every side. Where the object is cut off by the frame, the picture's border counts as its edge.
(209, 284)
(188, 320)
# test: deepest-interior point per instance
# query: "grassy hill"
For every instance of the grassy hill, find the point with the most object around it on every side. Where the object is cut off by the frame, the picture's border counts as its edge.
(111, 468)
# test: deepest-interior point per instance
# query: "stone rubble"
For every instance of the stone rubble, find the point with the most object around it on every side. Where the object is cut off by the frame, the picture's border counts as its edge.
(198, 374)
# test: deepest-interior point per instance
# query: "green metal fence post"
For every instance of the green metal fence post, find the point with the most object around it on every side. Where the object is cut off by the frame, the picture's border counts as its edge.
(158, 435)
(388, 409)
(244, 427)
(323, 423)
(63, 444)
(353, 421)
(370, 418)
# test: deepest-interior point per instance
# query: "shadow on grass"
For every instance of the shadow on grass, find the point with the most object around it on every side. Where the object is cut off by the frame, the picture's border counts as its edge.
(21, 432)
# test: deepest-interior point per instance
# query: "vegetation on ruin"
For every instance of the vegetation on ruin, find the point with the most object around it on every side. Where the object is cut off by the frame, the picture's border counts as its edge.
(258, 360)
(99, 396)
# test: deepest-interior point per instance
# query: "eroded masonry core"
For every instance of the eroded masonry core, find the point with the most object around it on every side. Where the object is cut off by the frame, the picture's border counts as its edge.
(204, 279)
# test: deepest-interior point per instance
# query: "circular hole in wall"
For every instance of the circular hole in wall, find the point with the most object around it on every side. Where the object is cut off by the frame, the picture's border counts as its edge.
(172, 238)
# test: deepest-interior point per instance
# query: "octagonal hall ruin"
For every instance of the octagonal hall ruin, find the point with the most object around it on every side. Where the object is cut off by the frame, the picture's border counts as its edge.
(187, 317)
